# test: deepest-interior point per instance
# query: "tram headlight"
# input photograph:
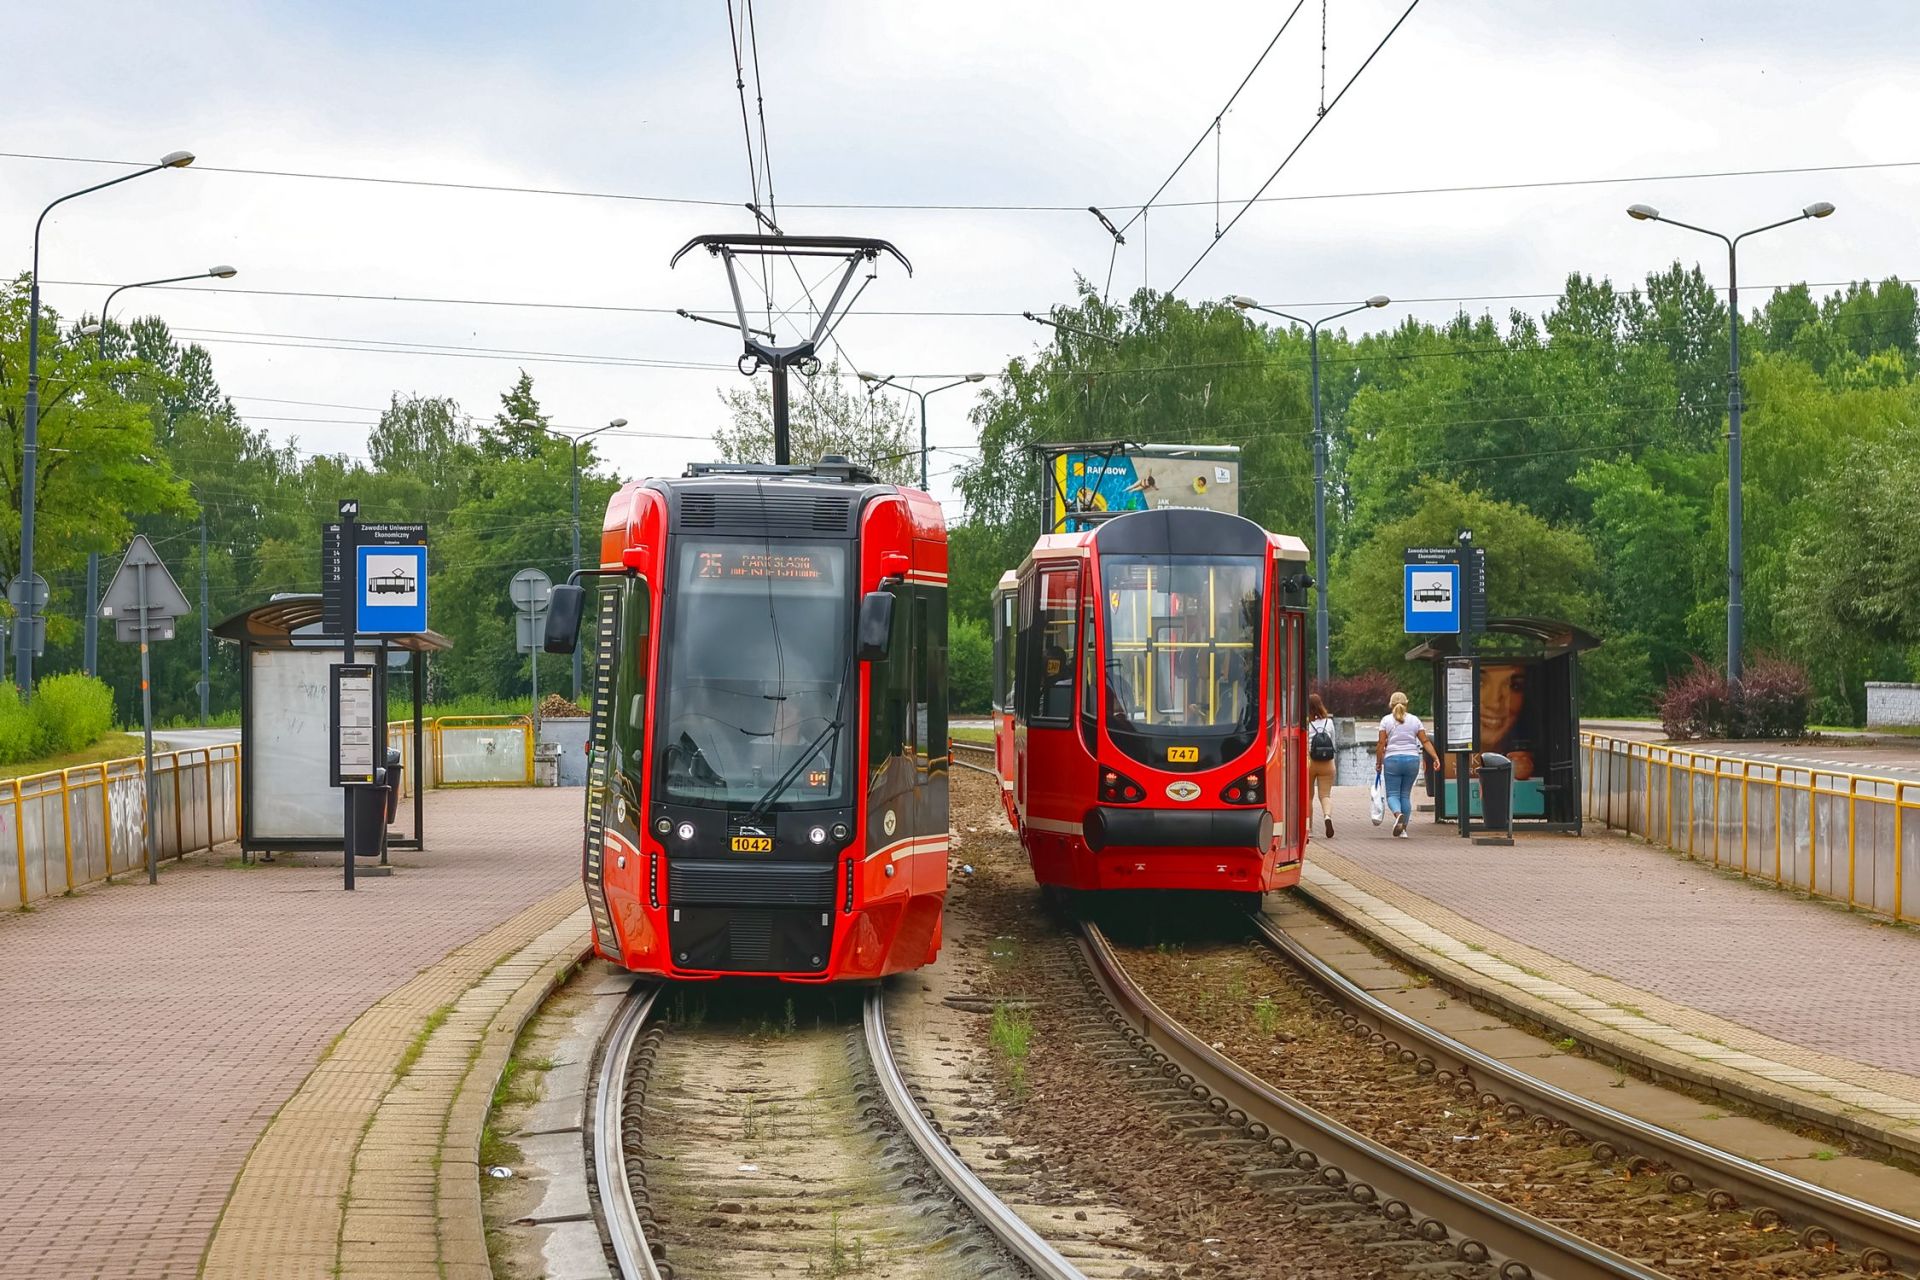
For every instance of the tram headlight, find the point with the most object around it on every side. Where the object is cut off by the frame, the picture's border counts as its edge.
(663, 826)
(1249, 789)
(686, 831)
(839, 831)
(817, 835)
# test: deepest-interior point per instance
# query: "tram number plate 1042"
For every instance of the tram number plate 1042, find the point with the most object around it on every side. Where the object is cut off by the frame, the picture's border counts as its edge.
(753, 844)
(1183, 755)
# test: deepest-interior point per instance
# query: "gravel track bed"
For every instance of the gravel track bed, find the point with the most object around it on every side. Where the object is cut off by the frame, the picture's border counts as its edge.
(759, 1145)
(1088, 1116)
(1246, 1001)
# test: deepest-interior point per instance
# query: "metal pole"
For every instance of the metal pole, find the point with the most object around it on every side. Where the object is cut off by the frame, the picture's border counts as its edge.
(146, 721)
(349, 623)
(780, 450)
(1736, 608)
(206, 634)
(90, 650)
(29, 458)
(923, 441)
(576, 560)
(1320, 623)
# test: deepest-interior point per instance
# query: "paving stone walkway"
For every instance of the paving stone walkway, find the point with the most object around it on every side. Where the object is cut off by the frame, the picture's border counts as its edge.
(149, 1035)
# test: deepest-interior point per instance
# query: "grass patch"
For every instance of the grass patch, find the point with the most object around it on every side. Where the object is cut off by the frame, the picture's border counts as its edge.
(435, 1021)
(1266, 1015)
(115, 746)
(1012, 1038)
(846, 1257)
(970, 733)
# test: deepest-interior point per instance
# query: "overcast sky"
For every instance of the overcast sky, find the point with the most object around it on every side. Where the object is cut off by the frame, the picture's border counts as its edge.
(1036, 102)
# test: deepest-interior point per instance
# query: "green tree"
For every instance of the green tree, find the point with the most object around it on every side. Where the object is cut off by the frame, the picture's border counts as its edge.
(969, 667)
(827, 413)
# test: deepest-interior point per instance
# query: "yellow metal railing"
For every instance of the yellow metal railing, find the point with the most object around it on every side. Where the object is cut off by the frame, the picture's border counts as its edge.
(69, 827)
(1825, 830)
(482, 751)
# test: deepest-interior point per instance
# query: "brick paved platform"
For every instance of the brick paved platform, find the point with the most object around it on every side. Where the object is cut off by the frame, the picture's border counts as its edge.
(148, 1035)
(1688, 970)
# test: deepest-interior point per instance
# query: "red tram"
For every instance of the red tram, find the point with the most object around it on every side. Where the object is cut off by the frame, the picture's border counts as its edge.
(1151, 712)
(767, 787)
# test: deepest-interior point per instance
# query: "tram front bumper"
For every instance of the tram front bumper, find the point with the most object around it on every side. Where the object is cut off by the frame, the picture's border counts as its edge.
(1250, 829)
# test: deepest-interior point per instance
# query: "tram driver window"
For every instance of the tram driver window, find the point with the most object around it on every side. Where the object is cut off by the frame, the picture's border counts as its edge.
(1056, 642)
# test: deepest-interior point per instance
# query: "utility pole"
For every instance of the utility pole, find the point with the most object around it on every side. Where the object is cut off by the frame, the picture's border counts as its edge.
(206, 623)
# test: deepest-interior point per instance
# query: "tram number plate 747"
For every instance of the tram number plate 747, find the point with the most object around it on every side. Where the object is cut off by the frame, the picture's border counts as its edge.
(1183, 755)
(753, 844)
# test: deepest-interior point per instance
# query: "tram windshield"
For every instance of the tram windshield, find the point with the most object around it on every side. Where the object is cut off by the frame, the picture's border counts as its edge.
(1182, 645)
(756, 668)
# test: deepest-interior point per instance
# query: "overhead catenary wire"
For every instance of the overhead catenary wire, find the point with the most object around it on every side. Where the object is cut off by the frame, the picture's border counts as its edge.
(986, 207)
(1318, 120)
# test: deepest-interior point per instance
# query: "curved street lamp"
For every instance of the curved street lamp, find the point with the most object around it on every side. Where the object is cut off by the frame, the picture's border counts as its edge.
(1321, 663)
(30, 436)
(222, 272)
(1736, 607)
(573, 443)
(874, 382)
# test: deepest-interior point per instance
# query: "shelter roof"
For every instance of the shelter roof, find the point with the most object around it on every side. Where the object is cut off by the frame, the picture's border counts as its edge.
(293, 622)
(1550, 636)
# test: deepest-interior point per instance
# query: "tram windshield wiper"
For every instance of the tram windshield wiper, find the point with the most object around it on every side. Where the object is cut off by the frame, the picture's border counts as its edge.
(800, 762)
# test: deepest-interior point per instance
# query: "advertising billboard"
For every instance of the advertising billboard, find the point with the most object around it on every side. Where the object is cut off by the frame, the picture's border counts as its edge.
(1510, 724)
(1103, 481)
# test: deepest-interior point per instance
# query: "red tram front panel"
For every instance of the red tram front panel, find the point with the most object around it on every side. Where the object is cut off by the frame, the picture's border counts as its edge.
(763, 801)
(1157, 735)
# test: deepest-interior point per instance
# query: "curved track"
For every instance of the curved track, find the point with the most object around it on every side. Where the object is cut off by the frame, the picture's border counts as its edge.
(1882, 1239)
(626, 1222)
(1480, 1228)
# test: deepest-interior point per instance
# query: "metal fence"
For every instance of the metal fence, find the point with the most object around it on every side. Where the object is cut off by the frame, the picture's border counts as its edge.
(483, 751)
(72, 827)
(1851, 837)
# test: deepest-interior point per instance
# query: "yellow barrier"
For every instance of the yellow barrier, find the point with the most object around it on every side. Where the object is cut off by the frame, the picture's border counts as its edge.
(1831, 832)
(476, 758)
(70, 827)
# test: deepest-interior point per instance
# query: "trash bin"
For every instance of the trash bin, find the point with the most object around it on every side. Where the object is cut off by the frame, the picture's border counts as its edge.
(396, 777)
(1496, 793)
(546, 764)
(370, 810)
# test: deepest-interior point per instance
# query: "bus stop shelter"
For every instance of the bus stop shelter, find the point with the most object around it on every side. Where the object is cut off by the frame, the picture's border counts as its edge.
(1527, 674)
(286, 803)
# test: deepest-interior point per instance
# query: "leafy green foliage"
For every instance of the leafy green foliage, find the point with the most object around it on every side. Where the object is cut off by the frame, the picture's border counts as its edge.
(969, 666)
(827, 413)
(69, 713)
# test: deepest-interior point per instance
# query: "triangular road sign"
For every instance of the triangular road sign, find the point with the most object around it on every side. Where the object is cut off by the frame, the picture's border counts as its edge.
(164, 597)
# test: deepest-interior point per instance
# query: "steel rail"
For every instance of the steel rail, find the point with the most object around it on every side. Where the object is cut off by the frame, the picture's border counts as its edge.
(1009, 1227)
(1884, 1239)
(617, 1211)
(954, 746)
(1483, 1229)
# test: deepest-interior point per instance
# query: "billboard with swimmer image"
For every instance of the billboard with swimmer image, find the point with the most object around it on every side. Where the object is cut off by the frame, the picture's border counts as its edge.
(1089, 483)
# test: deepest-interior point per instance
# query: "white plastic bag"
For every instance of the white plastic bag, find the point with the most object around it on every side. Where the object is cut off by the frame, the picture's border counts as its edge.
(1379, 798)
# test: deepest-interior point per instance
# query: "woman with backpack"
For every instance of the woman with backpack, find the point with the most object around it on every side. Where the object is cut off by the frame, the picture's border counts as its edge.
(1403, 740)
(1323, 748)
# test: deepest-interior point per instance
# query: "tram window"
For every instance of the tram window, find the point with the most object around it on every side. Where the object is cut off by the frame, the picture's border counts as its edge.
(1007, 651)
(1054, 639)
(635, 654)
(889, 728)
(931, 614)
(921, 663)
(1183, 637)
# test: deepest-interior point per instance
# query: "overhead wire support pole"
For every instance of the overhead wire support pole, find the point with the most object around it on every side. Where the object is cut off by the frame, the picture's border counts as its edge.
(773, 356)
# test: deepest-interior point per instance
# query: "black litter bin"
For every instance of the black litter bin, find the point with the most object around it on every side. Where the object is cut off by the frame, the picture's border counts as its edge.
(1496, 793)
(396, 775)
(371, 808)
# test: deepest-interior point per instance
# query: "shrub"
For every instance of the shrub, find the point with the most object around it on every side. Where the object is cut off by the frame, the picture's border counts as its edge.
(1364, 695)
(969, 667)
(19, 739)
(70, 712)
(1771, 701)
(1774, 697)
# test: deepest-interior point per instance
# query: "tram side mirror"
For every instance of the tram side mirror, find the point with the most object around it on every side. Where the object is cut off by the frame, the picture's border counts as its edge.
(563, 618)
(876, 626)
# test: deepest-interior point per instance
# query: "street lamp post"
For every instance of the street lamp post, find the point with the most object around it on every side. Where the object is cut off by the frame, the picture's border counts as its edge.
(1736, 608)
(91, 648)
(874, 382)
(1321, 623)
(211, 273)
(30, 436)
(573, 442)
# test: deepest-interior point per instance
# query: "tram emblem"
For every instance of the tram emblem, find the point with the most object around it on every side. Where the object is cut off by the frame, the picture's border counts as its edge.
(888, 823)
(1183, 791)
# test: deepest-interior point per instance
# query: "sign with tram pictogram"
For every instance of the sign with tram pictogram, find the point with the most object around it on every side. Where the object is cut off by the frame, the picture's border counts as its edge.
(390, 594)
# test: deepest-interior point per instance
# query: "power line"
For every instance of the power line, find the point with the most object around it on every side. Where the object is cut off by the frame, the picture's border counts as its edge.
(1214, 124)
(1318, 120)
(1002, 207)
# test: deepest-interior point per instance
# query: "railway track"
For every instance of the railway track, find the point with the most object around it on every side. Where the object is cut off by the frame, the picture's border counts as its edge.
(977, 751)
(633, 1045)
(1821, 1218)
(1475, 1228)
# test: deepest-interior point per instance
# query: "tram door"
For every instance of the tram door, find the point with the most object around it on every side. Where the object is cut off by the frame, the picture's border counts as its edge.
(1289, 708)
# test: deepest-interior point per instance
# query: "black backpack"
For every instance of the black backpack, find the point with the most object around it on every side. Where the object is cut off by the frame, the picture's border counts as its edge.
(1320, 746)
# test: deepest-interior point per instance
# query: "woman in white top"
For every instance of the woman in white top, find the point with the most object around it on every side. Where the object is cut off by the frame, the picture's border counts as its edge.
(1403, 740)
